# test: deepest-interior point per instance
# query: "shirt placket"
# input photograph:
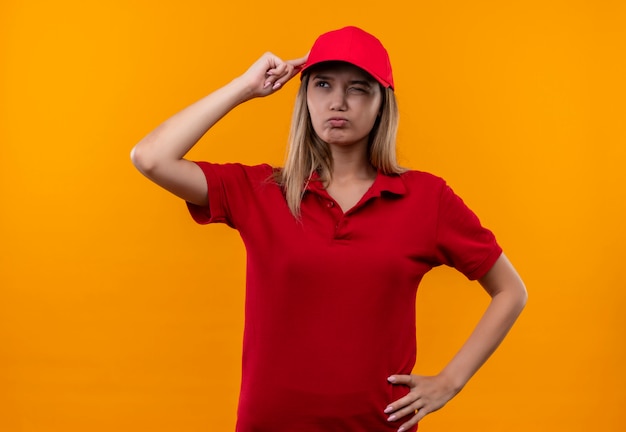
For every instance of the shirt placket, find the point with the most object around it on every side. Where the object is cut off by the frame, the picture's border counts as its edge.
(340, 219)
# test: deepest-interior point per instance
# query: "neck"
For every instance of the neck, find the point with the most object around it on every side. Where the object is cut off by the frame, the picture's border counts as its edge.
(351, 163)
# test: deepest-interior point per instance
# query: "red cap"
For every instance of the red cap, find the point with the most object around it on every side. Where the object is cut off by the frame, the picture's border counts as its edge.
(355, 46)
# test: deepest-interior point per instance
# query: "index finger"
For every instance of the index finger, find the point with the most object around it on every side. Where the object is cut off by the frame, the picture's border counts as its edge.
(401, 379)
(299, 62)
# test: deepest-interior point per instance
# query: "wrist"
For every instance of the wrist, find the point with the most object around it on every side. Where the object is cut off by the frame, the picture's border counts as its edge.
(454, 381)
(242, 91)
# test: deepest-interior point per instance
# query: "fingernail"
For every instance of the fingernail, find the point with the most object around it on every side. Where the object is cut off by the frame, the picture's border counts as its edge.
(391, 379)
(277, 85)
(401, 429)
(388, 409)
(391, 418)
(267, 84)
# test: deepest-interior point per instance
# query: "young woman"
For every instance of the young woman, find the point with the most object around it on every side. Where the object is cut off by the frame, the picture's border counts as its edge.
(337, 243)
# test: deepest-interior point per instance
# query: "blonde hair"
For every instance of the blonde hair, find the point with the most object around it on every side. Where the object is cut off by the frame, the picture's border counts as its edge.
(307, 153)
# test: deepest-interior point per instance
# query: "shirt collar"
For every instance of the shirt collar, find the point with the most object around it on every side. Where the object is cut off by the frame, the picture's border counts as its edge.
(392, 183)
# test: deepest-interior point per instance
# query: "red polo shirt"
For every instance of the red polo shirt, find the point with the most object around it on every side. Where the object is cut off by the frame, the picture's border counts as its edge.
(330, 299)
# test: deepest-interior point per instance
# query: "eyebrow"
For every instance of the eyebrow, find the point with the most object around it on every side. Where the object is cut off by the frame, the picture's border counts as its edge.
(330, 78)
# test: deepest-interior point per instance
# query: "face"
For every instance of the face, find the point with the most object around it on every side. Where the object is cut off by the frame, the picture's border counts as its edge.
(343, 102)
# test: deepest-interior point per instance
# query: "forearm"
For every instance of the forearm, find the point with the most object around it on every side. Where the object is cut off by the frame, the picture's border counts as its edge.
(171, 140)
(495, 323)
(429, 393)
(160, 155)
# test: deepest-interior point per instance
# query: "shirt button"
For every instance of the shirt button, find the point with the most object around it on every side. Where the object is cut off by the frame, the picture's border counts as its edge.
(330, 204)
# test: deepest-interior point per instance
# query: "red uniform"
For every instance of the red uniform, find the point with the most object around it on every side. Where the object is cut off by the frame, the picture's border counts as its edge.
(330, 299)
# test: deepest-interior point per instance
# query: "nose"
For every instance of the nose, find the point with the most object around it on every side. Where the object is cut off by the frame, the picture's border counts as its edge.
(338, 100)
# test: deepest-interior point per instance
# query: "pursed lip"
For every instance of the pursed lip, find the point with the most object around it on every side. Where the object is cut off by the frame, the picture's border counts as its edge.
(337, 121)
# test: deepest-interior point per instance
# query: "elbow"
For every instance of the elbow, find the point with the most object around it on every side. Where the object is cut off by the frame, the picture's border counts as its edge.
(521, 297)
(514, 295)
(142, 159)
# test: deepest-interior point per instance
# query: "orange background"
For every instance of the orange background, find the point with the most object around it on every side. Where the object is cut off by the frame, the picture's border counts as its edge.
(118, 313)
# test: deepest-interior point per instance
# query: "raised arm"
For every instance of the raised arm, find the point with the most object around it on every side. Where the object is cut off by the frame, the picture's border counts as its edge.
(160, 154)
(429, 393)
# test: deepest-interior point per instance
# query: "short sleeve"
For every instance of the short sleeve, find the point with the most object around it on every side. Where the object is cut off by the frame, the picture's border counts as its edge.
(462, 241)
(231, 189)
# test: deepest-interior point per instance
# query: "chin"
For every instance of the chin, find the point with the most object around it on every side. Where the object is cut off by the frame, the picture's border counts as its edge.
(340, 140)
(339, 143)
